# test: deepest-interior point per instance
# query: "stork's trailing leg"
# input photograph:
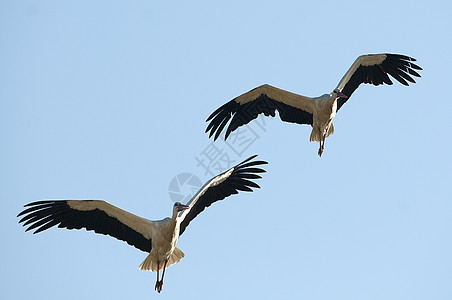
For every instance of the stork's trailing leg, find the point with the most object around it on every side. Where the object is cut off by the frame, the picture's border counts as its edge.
(159, 284)
(321, 146)
(322, 143)
(158, 281)
(163, 275)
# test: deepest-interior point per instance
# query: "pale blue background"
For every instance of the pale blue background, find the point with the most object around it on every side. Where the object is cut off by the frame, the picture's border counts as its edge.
(108, 100)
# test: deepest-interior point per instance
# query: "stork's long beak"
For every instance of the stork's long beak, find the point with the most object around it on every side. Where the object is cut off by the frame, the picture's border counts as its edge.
(342, 95)
(182, 207)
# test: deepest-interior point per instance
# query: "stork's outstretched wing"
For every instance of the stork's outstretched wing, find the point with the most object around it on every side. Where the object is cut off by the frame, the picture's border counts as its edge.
(228, 183)
(97, 215)
(265, 99)
(375, 69)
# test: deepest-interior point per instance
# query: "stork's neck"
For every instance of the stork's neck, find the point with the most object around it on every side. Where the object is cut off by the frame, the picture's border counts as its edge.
(326, 99)
(175, 214)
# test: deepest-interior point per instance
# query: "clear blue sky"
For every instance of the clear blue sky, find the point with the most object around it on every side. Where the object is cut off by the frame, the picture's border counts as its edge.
(108, 100)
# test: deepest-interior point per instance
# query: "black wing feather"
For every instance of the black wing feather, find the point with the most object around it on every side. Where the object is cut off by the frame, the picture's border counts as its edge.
(400, 67)
(46, 214)
(244, 113)
(237, 181)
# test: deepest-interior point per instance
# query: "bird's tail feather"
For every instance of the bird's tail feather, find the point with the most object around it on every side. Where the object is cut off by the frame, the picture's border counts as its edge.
(150, 263)
(330, 130)
(315, 134)
(175, 257)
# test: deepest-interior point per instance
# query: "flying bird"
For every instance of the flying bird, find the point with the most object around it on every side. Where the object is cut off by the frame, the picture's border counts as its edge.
(318, 112)
(158, 238)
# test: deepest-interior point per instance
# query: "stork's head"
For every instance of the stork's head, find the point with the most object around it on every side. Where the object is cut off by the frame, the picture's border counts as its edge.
(336, 94)
(178, 207)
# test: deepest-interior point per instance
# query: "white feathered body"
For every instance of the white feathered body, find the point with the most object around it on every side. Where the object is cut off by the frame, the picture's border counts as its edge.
(325, 108)
(163, 246)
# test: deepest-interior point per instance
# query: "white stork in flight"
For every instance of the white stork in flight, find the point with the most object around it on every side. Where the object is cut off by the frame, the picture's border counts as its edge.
(158, 238)
(318, 112)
